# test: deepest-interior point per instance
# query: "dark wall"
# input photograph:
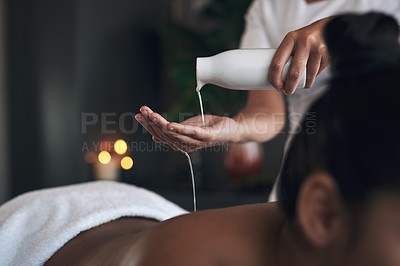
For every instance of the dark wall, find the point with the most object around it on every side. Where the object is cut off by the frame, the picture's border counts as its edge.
(118, 54)
(25, 125)
(71, 57)
(4, 178)
(119, 70)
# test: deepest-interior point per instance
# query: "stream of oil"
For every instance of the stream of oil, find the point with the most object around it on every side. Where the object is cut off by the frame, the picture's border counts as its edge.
(188, 156)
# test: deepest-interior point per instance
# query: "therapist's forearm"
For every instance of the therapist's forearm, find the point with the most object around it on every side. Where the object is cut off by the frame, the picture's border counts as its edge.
(262, 118)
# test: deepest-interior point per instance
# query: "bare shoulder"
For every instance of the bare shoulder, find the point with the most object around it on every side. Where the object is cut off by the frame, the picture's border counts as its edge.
(177, 241)
(216, 237)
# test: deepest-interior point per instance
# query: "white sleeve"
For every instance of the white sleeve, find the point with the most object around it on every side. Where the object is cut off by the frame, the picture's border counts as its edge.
(254, 35)
(394, 10)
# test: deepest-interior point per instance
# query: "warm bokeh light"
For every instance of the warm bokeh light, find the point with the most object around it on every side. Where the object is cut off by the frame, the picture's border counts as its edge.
(126, 163)
(104, 157)
(120, 147)
(90, 157)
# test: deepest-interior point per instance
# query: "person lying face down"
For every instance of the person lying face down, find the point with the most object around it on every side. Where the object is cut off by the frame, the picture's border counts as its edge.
(340, 185)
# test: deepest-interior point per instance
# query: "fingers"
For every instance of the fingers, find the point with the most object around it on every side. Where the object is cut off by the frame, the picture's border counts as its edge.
(296, 69)
(156, 125)
(158, 121)
(145, 110)
(172, 138)
(145, 121)
(187, 140)
(156, 139)
(193, 132)
(308, 49)
(140, 118)
(279, 61)
(149, 120)
(313, 67)
(149, 126)
(160, 137)
(159, 126)
(324, 62)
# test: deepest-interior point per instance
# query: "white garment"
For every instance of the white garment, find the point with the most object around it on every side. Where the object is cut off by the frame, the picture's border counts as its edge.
(35, 225)
(267, 23)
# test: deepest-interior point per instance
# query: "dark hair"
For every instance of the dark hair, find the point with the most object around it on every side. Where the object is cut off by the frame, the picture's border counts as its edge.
(356, 139)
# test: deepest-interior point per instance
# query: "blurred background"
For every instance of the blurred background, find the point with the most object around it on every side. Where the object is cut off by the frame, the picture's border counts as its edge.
(74, 73)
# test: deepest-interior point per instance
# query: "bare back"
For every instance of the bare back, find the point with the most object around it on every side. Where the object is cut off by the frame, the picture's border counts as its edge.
(240, 235)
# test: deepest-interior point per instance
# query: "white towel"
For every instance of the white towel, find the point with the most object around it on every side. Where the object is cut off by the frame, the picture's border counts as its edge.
(35, 225)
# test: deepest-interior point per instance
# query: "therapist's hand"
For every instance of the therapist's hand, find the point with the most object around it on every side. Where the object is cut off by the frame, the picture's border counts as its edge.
(308, 49)
(189, 135)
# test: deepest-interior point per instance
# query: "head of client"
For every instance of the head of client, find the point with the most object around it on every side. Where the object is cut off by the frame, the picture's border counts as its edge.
(341, 178)
(340, 184)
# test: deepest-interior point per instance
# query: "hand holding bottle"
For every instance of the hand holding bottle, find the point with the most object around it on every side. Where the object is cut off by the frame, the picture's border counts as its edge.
(308, 49)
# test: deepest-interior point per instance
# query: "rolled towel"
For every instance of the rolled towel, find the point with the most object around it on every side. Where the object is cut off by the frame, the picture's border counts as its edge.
(33, 226)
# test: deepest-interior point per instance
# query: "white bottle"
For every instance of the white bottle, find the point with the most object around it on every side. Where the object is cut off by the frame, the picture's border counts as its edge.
(240, 69)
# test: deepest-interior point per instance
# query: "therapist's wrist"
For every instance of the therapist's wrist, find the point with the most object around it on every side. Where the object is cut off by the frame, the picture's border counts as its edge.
(242, 132)
(259, 125)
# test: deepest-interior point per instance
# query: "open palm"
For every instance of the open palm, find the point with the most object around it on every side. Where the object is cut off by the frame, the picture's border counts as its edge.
(191, 134)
